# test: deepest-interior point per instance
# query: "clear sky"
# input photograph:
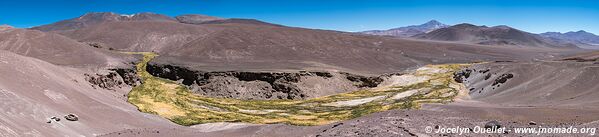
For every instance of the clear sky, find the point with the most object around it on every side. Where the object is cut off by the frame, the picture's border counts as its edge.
(345, 15)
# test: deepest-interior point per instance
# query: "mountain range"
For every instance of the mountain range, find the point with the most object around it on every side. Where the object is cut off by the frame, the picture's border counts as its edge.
(408, 31)
(580, 36)
(497, 35)
(252, 44)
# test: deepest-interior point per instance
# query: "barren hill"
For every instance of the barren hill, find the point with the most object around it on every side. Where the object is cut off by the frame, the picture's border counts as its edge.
(54, 48)
(497, 35)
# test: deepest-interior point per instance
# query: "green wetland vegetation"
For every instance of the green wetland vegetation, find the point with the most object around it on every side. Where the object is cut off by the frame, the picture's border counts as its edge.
(168, 99)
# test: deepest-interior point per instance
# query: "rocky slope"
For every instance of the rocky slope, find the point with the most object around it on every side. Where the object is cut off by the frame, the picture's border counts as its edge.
(533, 84)
(32, 91)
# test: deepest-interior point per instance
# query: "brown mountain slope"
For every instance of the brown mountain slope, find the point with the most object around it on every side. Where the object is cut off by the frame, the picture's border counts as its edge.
(54, 48)
(95, 18)
(257, 47)
(253, 45)
(498, 35)
(139, 36)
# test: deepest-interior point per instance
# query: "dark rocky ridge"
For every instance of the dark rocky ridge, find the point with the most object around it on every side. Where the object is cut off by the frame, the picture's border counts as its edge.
(264, 85)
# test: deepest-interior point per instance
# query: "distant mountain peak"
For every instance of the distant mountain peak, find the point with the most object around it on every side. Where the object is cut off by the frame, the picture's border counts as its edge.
(5, 27)
(433, 22)
(409, 31)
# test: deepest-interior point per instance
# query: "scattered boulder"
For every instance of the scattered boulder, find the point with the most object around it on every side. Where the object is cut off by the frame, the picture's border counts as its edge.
(503, 78)
(487, 76)
(71, 117)
(95, 45)
(532, 123)
(55, 119)
(484, 71)
(493, 125)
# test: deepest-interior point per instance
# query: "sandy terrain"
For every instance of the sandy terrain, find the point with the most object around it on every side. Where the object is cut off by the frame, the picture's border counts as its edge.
(32, 91)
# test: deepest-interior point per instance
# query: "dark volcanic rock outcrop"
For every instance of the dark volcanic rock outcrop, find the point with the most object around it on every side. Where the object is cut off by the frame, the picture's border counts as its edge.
(460, 76)
(503, 78)
(108, 81)
(264, 85)
(116, 78)
(129, 76)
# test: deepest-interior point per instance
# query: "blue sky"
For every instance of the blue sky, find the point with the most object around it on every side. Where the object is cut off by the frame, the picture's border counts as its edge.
(346, 15)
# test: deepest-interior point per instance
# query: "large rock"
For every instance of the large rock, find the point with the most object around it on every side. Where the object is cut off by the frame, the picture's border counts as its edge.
(71, 117)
